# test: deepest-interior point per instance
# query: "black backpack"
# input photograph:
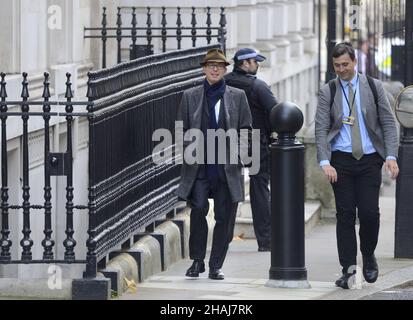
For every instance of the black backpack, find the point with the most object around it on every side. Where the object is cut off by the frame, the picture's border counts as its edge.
(332, 85)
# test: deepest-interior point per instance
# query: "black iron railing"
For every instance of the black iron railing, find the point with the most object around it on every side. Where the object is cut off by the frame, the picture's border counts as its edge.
(378, 30)
(177, 32)
(132, 100)
(385, 22)
(56, 164)
(127, 190)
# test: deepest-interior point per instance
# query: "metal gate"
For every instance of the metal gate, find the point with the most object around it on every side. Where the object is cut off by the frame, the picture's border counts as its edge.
(55, 164)
(381, 31)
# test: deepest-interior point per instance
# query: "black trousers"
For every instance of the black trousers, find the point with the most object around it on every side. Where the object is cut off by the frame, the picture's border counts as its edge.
(224, 214)
(260, 199)
(357, 186)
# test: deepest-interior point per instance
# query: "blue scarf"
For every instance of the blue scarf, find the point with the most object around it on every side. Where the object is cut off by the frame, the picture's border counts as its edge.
(213, 93)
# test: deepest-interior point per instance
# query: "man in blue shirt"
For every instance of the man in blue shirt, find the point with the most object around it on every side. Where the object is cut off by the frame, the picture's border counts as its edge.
(354, 136)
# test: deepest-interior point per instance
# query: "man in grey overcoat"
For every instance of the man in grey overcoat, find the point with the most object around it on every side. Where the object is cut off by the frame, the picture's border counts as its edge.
(355, 134)
(212, 106)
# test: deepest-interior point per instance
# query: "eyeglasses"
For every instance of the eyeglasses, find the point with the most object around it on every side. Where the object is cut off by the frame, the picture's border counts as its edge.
(215, 66)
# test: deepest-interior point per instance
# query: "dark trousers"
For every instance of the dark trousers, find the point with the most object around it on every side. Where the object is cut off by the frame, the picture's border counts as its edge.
(358, 186)
(260, 199)
(224, 214)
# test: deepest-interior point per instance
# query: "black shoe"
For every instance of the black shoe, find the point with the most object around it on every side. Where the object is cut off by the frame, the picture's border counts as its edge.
(197, 267)
(343, 281)
(370, 268)
(263, 249)
(216, 274)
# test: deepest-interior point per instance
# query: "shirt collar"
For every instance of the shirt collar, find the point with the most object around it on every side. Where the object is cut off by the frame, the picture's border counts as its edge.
(353, 81)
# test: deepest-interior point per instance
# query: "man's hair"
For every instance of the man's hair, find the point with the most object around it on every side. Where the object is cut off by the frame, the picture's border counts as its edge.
(238, 63)
(343, 48)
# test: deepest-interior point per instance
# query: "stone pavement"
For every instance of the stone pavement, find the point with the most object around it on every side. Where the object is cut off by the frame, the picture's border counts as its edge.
(246, 270)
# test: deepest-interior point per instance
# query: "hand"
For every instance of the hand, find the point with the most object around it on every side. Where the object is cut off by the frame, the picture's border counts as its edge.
(330, 172)
(392, 167)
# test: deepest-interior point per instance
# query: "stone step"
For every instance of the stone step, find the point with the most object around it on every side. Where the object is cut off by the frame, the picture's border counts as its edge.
(244, 227)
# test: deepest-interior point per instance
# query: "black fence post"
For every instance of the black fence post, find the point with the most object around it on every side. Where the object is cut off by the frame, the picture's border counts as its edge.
(222, 31)
(343, 19)
(69, 243)
(331, 37)
(26, 242)
(163, 32)
(47, 242)
(133, 33)
(409, 43)
(5, 241)
(104, 38)
(287, 200)
(91, 264)
(404, 184)
(178, 28)
(119, 34)
(193, 30)
(148, 29)
(208, 23)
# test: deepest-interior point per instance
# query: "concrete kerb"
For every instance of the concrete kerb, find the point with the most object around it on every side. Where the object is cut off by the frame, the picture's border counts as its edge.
(172, 242)
(120, 270)
(132, 265)
(182, 221)
(151, 254)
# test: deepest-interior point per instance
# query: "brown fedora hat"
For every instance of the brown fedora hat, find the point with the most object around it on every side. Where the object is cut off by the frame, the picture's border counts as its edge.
(215, 55)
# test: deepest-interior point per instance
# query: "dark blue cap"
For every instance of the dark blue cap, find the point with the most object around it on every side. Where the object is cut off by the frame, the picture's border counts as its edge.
(247, 53)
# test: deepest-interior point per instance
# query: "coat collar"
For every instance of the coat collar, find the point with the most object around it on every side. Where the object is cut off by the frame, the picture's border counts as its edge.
(199, 97)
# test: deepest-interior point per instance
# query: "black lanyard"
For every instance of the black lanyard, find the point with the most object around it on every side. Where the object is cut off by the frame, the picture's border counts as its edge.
(345, 96)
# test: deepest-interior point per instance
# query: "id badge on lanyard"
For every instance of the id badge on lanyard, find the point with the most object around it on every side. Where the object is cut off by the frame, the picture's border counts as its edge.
(348, 120)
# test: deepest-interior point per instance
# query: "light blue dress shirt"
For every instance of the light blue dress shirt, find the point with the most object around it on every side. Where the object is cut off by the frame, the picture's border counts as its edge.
(342, 142)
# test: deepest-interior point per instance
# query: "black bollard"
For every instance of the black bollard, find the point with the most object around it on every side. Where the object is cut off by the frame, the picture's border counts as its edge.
(287, 200)
(404, 184)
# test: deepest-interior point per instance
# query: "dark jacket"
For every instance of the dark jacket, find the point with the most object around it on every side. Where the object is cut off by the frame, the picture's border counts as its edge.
(260, 98)
(236, 116)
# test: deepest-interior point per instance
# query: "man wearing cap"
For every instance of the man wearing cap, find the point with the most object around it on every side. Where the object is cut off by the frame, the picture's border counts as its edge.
(212, 106)
(261, 100)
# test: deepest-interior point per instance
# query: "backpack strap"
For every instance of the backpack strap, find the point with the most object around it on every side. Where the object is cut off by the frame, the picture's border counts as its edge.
(374, 90)
(372, 85)
(332, 85)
